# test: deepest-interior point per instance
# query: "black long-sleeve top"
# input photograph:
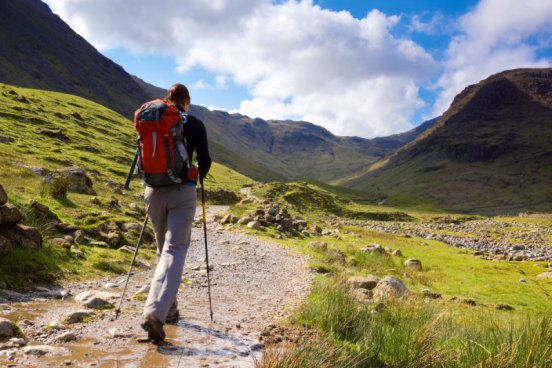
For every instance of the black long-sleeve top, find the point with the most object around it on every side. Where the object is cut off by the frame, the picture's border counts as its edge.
(196, 140)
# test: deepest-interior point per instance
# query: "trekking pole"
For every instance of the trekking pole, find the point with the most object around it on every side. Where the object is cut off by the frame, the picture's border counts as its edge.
(118, 310)
(132, 167)
(206, 249)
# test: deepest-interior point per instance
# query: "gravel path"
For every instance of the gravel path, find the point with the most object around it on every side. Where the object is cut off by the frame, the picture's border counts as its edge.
(253, 283)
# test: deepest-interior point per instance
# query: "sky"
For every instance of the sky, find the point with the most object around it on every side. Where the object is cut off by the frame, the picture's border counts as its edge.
(363, 68)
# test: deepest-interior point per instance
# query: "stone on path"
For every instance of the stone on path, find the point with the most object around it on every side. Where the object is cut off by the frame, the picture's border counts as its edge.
(77, 316)
(96, 299)
(39, 350)
(66, 337)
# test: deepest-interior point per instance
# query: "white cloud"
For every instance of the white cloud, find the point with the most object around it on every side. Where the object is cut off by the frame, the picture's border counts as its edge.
(437, 24)
(496, 35)
(297, 60)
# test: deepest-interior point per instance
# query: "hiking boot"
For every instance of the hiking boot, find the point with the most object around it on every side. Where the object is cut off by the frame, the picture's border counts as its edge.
(174, 314)
(153, 327)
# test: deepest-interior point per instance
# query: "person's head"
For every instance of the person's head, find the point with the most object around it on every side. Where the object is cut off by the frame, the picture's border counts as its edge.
(179, 95)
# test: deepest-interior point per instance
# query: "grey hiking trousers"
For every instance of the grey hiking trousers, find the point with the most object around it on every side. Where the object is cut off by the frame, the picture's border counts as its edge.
(171, 211)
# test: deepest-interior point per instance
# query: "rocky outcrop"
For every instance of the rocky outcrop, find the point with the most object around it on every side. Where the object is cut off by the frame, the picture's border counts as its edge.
(277, 216)
(75, 178)
(11, 232)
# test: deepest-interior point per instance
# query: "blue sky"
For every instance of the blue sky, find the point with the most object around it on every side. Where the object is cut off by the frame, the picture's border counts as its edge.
(366, 68)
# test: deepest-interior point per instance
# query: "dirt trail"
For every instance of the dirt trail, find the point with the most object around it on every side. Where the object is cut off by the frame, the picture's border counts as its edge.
(253, 283)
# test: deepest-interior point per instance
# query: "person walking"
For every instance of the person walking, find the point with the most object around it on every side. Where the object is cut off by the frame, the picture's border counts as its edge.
(171, 210)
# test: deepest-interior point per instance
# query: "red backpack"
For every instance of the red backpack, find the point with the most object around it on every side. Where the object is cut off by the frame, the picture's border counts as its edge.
(163, 158)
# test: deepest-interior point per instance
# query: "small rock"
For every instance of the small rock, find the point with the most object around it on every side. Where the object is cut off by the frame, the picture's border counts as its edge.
(414, 264)
(397, 253)
(318, 245)
(116, 333)
(55, 325)
(66, 337)
(95, 300)
(363, 282)
(522, 280)
(504, 307)
(254, 225)
(245, 220)
(430, 294)
(77, 316)
(39, 350)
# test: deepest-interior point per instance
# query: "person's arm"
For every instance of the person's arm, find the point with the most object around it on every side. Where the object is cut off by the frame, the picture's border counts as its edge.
(202, 150)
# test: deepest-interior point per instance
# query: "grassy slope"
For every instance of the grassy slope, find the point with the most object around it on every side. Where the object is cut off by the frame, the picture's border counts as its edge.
(447, 332)
(99, 140)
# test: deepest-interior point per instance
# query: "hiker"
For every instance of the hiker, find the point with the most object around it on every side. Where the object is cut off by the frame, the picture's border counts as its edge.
(171, 209)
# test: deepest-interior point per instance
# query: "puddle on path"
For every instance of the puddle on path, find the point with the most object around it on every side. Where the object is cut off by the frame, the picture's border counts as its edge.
(190, 343)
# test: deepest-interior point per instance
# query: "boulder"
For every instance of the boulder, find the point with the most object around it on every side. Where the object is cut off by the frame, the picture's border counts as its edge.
(9, 215)
(77, 179)
(42, 212)
(110, 232)
(23, 236)
(363, 282)
(3, 196)
(6, 328)
(544, 275)
(390, 287)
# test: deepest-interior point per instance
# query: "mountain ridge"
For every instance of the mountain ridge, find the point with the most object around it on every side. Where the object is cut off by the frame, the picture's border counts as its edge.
(489, 151)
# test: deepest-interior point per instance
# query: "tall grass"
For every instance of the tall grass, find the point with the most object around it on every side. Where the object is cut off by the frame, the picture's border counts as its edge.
(411, 333)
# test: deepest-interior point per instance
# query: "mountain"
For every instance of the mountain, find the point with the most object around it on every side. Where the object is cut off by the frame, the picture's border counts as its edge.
(295, 149)
(38, 50)
(490, 152)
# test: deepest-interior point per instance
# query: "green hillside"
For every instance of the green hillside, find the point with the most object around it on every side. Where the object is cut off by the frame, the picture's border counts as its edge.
(489, 153)
(42, 131)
